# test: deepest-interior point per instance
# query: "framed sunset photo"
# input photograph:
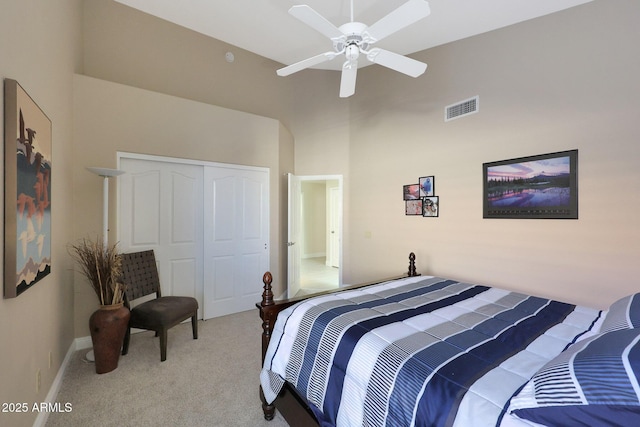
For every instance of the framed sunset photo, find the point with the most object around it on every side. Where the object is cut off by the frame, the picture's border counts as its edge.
(542, 186)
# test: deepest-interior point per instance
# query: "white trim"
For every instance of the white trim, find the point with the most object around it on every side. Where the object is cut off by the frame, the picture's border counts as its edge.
(83, 343)
(150, 157)
(43, 416)
(314, 255)
(78, 344)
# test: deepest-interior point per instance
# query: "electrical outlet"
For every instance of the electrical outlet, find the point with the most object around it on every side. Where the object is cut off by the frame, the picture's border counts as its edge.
(38, 381)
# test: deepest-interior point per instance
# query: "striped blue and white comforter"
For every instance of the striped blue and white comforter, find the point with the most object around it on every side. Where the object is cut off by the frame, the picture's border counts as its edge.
(421, 351)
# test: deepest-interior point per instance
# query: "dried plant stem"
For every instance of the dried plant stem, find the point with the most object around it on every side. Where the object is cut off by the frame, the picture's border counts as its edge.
(115, 293)
(101, 293)
(101, 265)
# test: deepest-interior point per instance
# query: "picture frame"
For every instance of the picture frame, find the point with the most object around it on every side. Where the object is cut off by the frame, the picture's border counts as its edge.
(427, 186)
(413, 207)
(431, 206)
(543, 186)
(410, 192)
(28, 165)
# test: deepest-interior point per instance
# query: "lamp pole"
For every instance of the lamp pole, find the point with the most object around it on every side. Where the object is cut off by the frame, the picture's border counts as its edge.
(106, 174)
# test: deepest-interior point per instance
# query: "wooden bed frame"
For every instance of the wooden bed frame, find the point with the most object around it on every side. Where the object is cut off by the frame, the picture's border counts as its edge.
(290, 404)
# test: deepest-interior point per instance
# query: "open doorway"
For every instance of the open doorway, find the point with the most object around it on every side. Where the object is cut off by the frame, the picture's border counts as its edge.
(314, 252)
(320, 264)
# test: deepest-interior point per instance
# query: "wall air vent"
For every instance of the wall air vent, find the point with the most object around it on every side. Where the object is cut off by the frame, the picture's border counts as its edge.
(462, 108)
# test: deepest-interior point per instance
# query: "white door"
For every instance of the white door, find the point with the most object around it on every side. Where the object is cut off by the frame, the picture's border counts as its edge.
(295, 220)
(160, 208)
(333, 258)
(236, 233)
(207, 223)
(294, 245)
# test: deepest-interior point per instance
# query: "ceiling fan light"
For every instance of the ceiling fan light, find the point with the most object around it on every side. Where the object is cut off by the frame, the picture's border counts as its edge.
(353, 52)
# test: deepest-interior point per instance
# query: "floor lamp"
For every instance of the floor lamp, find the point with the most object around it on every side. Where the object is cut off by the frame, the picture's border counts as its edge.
(106, 174)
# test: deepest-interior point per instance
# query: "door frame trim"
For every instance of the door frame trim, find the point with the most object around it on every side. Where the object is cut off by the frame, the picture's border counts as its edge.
(167, 159)
(340, 179)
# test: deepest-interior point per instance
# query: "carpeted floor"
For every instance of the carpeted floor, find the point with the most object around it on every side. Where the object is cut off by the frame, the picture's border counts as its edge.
(211, 381)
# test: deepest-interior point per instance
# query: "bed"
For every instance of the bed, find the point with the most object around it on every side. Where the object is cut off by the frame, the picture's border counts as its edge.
(430, 351)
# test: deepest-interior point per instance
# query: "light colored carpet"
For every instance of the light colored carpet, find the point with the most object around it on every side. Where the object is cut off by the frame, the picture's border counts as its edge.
(211, 381)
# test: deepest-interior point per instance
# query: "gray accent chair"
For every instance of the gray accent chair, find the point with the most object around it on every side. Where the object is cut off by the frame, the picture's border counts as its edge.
(140, 276)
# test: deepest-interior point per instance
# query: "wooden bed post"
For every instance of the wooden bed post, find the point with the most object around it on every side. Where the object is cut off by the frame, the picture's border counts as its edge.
(265, 313)
(412, 265)
(268, 317)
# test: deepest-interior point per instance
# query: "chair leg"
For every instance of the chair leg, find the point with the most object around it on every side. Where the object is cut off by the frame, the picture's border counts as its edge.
(194, 326)
(125, 344)
(163, 344)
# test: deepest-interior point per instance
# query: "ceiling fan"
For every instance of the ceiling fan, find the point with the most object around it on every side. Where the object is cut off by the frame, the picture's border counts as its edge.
(355, 38)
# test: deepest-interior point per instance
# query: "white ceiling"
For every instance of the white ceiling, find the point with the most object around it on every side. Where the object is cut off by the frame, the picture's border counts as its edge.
(264, 27)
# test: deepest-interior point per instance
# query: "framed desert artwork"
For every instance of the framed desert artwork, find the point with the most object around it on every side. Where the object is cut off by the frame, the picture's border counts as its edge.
(27, 169)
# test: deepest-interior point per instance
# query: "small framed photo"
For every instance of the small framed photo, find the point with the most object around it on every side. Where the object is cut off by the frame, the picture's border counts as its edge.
(427, 184)
(411, 192)
(413, 207)
(430, 206)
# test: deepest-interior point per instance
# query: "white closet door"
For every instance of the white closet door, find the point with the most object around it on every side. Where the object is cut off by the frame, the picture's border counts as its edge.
(160, 208)
(236, 235)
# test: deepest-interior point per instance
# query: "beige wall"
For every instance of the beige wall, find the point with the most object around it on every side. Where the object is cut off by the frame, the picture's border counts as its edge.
(112, 117)
(565, 81)
(314, 207)
(560, 82)
(545, 85)
(128, 46)
(40, 46)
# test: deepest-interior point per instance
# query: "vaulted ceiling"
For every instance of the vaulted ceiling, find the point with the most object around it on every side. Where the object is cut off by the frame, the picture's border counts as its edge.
(265, 28)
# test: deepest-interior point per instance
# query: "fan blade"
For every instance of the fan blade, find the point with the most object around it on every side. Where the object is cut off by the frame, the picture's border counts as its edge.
(309, 62)
(400, 63)
(348, 79)
(410, 12)
(316, 21)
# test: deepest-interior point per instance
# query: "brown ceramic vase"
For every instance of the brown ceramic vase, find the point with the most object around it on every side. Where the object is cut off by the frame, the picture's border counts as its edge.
(108, 326)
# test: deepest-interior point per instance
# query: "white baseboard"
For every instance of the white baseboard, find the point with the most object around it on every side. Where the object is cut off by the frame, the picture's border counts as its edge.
(83, 343)
(42, 417)
(314, 255)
